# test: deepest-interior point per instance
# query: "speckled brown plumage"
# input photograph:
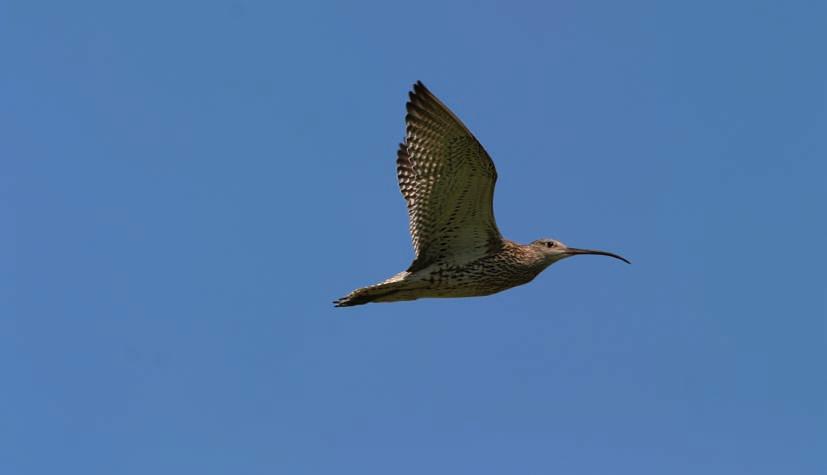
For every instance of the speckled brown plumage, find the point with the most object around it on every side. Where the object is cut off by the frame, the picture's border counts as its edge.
(447, 180)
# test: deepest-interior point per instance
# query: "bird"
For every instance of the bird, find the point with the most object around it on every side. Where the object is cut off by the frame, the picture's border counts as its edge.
(447, 180)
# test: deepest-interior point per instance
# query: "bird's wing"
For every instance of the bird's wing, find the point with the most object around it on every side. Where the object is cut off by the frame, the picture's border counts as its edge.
(447, 179)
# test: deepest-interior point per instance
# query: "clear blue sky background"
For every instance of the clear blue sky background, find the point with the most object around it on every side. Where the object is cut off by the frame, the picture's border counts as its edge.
(187, 185)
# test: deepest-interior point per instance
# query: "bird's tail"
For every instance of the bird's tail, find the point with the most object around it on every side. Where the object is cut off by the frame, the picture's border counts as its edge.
(387, 291)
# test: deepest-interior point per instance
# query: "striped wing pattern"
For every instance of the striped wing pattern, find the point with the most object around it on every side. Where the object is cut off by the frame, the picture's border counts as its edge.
(447, 180)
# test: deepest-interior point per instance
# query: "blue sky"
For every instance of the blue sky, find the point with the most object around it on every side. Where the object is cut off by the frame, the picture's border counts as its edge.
(188, 186)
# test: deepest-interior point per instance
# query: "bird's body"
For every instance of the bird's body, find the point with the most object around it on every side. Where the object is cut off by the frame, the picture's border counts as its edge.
(508, 267)
(447, 180)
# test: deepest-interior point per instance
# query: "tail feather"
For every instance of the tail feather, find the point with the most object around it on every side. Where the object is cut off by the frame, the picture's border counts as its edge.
(372, 293)
(363, 296)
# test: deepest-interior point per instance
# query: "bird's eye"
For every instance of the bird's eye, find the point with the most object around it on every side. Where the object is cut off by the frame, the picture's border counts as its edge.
(550, 244)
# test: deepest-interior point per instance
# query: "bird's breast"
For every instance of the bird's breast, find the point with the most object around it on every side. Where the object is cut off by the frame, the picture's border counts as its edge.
(483, 276)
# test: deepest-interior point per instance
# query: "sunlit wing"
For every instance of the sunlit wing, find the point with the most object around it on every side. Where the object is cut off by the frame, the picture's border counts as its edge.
(447, 180)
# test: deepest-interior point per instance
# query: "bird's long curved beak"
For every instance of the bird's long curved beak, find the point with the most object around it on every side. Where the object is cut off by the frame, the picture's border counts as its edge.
(572, 251)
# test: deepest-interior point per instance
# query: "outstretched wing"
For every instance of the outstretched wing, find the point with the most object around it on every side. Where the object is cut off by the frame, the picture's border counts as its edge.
(447, 179)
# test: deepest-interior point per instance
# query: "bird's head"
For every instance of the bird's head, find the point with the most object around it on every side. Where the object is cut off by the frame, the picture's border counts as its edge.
(552, 251)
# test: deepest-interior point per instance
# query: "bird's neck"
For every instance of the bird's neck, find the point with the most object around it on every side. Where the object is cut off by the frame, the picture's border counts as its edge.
(529, 256)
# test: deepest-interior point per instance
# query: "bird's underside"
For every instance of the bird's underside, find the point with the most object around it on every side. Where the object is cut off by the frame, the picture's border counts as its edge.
(485, 275)
(447, 180)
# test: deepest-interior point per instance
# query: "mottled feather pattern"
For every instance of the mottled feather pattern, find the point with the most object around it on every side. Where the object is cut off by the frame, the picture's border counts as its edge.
(454, 184)
(406, 176)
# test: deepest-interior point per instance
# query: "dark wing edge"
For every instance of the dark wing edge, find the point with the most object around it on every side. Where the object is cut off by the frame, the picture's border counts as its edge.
(423, 101)
(406, 175)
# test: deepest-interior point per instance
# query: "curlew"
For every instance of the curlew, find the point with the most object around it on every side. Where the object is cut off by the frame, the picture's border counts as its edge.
(447, 180)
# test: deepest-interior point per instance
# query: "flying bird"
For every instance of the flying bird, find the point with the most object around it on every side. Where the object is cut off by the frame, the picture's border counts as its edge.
(447, 180)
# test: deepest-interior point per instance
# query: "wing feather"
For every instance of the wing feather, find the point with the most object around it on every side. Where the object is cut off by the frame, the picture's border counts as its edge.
(447, 179)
